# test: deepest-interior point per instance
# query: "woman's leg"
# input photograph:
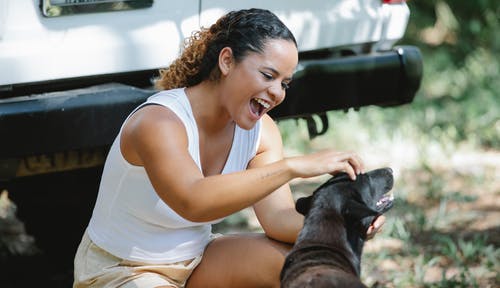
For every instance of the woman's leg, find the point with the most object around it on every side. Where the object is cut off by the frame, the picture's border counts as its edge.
(240, 260)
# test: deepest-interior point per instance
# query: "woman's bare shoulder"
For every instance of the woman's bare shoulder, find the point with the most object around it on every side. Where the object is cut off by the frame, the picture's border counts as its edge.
(151, 128)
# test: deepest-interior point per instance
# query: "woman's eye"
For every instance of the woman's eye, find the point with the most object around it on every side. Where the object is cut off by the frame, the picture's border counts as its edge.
(267, 76)
(284, 85)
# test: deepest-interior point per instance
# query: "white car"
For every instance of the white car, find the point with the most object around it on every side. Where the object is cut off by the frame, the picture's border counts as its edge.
(54, 40)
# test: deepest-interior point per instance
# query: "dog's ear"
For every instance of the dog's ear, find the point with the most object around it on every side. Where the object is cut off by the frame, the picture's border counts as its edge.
(303, 205)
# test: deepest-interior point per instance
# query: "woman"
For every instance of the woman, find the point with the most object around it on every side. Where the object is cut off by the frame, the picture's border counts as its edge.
(196, 152)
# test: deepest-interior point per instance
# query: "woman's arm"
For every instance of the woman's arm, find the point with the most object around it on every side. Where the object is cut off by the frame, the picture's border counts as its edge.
(156, 139)
(276, 212)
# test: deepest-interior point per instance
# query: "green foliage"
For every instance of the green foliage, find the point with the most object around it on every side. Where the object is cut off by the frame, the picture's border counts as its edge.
(459, 98)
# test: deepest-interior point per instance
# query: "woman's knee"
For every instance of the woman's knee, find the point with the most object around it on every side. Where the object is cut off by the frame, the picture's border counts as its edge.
(249, 260)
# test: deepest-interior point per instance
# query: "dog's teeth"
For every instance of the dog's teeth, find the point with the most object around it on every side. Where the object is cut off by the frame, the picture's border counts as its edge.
(385, 198)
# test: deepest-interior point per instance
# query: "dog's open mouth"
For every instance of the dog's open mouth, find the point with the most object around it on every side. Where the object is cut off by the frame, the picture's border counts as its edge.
(385, 203)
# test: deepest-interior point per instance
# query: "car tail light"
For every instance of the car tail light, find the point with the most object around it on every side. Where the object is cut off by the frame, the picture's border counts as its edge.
(393, 1)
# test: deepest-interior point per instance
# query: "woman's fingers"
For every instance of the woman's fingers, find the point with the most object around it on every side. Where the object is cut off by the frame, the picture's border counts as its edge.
(356, 162)
(346, 168)
(328, 161)
(375, 227)
(350, 163)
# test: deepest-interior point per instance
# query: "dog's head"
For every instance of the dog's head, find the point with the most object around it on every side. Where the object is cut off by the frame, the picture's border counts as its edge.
(358, 201)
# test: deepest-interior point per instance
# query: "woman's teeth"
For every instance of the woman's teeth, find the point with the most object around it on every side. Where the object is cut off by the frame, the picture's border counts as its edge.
(263, 103)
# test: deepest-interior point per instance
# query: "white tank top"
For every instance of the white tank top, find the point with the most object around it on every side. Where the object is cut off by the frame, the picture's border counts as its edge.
(130, 221)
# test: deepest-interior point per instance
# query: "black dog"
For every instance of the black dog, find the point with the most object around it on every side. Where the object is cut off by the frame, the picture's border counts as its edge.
(328, 250)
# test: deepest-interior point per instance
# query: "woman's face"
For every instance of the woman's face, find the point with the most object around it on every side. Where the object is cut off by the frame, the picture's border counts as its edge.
(258, 83)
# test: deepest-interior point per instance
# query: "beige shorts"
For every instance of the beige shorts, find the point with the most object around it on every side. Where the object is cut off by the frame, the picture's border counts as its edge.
(95, 267)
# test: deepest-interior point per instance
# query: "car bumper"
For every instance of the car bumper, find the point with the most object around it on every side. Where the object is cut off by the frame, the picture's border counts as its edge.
(384, 79)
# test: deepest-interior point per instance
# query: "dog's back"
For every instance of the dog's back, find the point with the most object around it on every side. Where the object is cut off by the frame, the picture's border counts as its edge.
(325, 276)
(315, 265)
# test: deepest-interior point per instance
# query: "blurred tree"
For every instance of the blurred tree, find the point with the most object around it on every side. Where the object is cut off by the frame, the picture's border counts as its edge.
(460, 43)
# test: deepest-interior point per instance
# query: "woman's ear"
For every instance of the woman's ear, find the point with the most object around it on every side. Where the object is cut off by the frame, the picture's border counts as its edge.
(225, 60)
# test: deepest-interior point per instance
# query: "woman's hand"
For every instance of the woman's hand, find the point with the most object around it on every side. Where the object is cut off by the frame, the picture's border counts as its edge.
(375, 227)
(327, 161)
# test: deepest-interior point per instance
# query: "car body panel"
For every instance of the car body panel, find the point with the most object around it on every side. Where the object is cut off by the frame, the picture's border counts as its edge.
(35, 48)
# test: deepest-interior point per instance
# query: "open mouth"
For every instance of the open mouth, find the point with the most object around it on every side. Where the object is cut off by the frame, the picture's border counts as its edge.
(259, 106)
(385, 202)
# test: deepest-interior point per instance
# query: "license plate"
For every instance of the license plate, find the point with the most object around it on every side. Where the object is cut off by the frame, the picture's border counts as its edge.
(55, 8)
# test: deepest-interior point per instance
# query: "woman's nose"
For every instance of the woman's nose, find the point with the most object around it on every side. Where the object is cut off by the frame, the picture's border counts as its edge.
(277, 93)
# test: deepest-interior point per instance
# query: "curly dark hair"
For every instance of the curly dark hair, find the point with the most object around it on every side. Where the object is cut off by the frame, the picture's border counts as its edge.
(243, 31)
